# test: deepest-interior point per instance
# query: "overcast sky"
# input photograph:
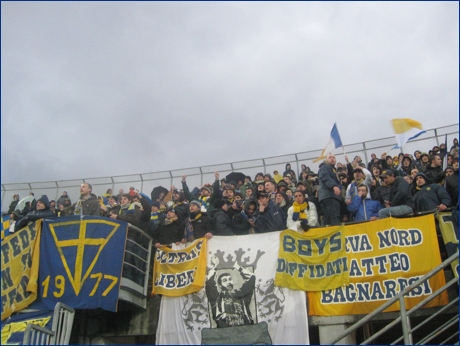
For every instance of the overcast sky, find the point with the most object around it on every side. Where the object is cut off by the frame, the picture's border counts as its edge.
(100, 89)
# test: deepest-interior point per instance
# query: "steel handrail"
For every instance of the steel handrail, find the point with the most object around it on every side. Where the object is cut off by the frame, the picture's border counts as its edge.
(393, 300)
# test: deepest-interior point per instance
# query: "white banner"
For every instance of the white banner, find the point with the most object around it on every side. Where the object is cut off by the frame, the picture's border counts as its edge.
(239, 304)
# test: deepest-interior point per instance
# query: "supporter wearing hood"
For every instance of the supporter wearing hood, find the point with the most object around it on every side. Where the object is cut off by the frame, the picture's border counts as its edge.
(290, 172)
(42, 210)
(430, 196)
(170, 231)
(406, 165)
(243, 223)
(221, 223)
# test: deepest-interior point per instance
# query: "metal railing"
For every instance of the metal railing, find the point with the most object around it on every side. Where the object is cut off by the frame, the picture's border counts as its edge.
(37, 335)
(404, 319)
(136, 265)
(62, 324)
(196, 176)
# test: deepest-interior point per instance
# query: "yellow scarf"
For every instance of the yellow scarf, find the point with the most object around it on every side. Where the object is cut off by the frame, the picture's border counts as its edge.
(299, 211)
(168, 221)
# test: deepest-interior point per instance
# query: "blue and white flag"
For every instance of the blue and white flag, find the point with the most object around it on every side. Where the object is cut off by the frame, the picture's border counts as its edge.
(405, 130)
(334, 142)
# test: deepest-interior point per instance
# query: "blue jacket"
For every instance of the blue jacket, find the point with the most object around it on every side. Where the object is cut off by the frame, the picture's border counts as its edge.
(363, 210)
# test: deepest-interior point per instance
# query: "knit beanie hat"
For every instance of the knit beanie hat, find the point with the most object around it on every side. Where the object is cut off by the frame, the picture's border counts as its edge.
(218, 204)
(197, 203)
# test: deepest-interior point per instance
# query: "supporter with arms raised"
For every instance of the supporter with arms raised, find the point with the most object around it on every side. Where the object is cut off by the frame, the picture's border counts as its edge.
(207, 194)
(301, 215)
(400, 201)
(42, 210)
(87, 204)
(428, 196)
(363, 208)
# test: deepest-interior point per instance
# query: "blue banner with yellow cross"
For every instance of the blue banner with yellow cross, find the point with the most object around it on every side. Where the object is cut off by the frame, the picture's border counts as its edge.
(81, 262)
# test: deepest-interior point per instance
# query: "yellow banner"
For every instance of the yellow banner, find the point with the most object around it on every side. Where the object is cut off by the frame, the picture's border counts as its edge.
(449, 232)
(384, 257)
(20, 262)
(312, 261)
(180, 272)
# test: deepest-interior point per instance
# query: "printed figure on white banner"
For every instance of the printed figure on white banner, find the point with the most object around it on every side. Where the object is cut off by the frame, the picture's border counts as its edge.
(230, 293)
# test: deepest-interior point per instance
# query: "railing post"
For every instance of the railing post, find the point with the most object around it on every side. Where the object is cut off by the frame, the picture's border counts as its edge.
(365, 154)
(201, 175)
(297, 164)
(405, 322)
(436, 135)
(265, 168)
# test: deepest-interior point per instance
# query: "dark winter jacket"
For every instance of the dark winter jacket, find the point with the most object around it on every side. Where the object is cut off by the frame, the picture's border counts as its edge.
(89, 206)
(429, 196)
(201, 226)
(400, 193)
(13, 206)
(240, 223)
(170, 233)
(36, 214)
(452, 187)
(270, 220)
(327, 180)
(435, 174)
(221, 223)
(131, 215)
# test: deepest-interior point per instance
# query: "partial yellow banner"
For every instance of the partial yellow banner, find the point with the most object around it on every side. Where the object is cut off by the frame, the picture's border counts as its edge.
(312, 261)
(20, 262)
(384, 257)
(449, 232)
(180, 272)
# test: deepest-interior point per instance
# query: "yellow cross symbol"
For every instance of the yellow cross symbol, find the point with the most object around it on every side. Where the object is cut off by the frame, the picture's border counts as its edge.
(76, 280)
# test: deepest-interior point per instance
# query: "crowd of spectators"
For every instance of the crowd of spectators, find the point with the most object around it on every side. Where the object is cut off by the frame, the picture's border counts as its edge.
(339, 192)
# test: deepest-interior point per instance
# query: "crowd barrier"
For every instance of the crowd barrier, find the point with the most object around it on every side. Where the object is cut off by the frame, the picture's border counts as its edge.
(197, 176)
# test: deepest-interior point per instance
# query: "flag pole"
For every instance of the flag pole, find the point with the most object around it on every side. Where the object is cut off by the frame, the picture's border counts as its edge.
(445, 154)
